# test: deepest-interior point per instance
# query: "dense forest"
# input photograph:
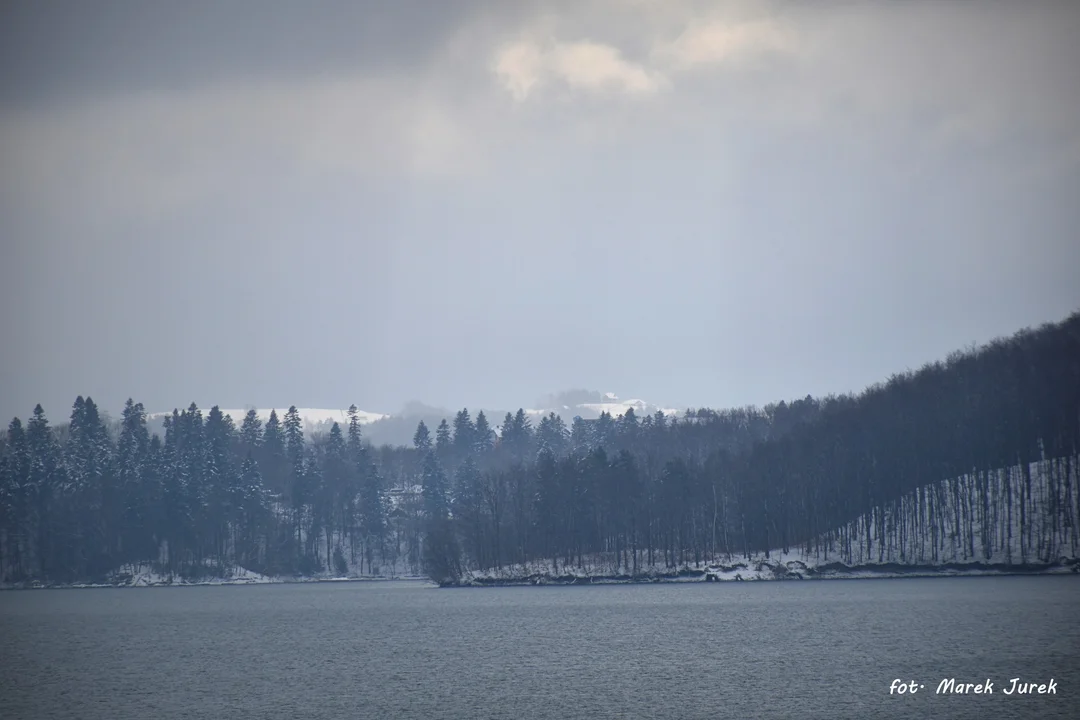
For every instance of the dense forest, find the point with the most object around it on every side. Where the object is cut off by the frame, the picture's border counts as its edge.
(972, 459)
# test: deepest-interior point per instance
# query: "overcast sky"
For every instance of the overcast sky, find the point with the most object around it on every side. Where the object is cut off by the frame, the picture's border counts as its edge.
(479, 203)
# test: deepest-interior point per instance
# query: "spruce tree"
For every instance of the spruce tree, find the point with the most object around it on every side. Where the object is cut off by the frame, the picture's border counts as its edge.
(627, 429)
(466, 504)
(132, 458)
(506, 433)
(250, 504)
(8, 518)
(222, 479)
(552, 434)
(251, 431)
(483, 435)
(193, 457)
(355, 433)
(422, 438)
(433, 486)
(442, 438)
(357, 476)
(372, 508)
(20, 534)
(299, 476)
(464, 434)
(273, 460)
(523, 436)
(581, 436)
(441, 552)
(45, 482)
(659, 420)
(604, 431)
(334, 502)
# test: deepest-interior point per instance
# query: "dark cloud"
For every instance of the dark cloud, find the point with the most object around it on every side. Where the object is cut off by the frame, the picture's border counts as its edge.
(54, 50)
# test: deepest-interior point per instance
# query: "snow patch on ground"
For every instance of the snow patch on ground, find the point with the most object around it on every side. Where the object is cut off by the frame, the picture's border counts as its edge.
(147, 576)
(779, 565)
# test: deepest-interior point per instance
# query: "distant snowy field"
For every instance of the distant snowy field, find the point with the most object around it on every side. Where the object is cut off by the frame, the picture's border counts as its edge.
(311, 417)
(611, 404)
(320, 419)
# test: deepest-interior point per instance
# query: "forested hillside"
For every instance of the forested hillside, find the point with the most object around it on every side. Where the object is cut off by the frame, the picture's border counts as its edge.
(973, 459)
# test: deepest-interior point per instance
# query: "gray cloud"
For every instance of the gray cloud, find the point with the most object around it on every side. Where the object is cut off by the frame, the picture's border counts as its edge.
(54, 52)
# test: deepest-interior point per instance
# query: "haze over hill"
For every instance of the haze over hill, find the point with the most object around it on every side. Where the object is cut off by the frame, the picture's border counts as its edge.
(970, 463)
(398, 428)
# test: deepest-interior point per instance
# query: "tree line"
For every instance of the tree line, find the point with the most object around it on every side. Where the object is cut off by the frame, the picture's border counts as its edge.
(970, 459)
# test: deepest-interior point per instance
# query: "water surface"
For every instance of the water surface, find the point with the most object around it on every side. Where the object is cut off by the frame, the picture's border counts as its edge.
(826, 649)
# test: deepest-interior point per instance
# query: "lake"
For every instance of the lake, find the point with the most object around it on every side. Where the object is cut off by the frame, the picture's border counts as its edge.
(410, 650)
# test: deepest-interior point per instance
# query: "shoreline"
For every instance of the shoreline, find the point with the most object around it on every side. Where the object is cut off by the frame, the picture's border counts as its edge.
(603, 580)
(765, 572)
(210, 582)
(739, 572)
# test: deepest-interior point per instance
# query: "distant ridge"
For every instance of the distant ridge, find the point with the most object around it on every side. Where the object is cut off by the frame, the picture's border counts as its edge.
(311, 417)
(398, 428)
(608, 403)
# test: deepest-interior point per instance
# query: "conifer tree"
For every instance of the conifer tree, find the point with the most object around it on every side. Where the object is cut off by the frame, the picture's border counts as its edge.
(19, 535)
(251, 431)
(45, 483)
(581, 436)
(355, 433)
(441, 552)
(442, 438)
(422, 438)
(464, 434)
(337, 485)
(300, 475)
(250, 505)
(433, 486)
(466, 504)
(222, 479)
(273, 460)
(372, 511)
(132, 459)
(482, 434)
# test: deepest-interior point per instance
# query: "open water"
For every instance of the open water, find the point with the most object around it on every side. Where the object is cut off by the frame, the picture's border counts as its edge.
(824, 649)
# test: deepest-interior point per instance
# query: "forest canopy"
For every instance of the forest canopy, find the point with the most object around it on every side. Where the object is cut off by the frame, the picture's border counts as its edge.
(970, 458)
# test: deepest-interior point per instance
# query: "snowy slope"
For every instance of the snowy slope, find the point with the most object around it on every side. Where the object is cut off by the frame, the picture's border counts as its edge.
(611, 404)
(1009, 533)
(322, 417)
(311, 417)
(616, 407)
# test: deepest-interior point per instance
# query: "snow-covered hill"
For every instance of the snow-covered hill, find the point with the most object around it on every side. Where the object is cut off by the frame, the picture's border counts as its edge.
(311, 417)
(609, 403)
(397, 429)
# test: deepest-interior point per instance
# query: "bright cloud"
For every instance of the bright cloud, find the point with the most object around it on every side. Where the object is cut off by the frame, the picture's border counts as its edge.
(519, 66)
(586, 65)
(710, 43)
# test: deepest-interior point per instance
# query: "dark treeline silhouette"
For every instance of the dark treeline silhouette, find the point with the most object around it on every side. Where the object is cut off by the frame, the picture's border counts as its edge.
(973, 459)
